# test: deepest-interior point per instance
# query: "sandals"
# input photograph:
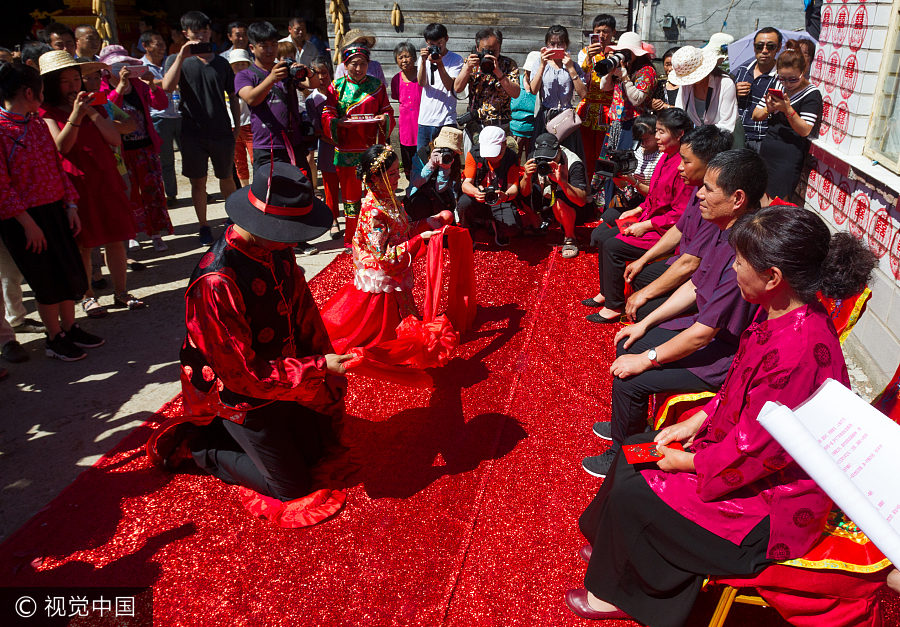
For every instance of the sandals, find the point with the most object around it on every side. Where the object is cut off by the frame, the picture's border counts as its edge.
(92, 308)
(570, 248)
(128, 301)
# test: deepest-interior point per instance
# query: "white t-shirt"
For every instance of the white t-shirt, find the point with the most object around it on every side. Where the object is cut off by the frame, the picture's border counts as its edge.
(438, 104)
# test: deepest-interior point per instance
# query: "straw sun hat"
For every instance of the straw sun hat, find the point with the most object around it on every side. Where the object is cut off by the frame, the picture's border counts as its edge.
(366, 37)
(690, 65)
(451, 138)
(60, 60)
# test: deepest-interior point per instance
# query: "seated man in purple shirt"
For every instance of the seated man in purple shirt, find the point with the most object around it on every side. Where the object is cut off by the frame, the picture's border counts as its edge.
(653, 280)
(669, 351)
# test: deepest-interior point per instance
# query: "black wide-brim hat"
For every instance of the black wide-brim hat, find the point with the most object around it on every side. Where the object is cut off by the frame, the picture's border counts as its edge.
(280, 206)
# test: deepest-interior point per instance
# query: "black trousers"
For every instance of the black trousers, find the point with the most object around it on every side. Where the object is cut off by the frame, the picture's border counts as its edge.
(271, 453)
(631, 397)
(472, 212)
(648, 275)
(648, 560)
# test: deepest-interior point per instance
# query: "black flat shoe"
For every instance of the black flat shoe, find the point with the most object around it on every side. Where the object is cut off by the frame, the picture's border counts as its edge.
(577, 601)
(590, 302)
(595, 317)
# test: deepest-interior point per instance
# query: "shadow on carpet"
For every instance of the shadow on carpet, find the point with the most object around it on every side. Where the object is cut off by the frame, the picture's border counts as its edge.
(462, 512)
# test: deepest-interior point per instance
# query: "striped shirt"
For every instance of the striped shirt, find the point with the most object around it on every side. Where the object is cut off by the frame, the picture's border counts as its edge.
(754, 130)
(807, 103)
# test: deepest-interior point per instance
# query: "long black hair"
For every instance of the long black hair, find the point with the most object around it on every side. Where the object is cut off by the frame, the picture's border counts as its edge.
(798, 242)
(675, 120)
(15, 77)
(364, 169)
(52, 92)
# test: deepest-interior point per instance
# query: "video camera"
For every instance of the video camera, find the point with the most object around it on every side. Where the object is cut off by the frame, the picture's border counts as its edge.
(607, 65)
(616, 162)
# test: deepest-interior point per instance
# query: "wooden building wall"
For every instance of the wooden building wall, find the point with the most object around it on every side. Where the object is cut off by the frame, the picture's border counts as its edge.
(523, 22)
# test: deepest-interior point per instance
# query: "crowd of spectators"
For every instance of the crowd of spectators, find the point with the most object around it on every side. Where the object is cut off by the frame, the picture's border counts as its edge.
(676, 160)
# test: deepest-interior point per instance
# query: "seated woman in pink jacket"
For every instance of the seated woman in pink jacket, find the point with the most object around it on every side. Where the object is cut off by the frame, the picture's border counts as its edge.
(128, 90)
(733, 501)
(666, 200)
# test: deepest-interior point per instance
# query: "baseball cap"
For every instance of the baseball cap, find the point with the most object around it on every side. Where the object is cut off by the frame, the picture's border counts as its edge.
(546, 145)
(491, 141)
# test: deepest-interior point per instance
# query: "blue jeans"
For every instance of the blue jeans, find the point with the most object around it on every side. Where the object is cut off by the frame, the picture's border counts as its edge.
(169, 130)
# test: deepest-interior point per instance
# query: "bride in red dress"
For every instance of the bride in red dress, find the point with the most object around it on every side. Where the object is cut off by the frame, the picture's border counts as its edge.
(368, 309)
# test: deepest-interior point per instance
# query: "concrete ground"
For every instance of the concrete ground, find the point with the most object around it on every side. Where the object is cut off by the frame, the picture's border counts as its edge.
(58, 418)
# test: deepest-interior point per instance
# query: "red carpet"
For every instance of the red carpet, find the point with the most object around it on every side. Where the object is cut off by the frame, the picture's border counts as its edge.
(463, 511)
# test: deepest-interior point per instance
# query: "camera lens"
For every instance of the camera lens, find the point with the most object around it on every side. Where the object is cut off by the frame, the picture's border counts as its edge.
(543, 168)
(446, 156)
(491, 196)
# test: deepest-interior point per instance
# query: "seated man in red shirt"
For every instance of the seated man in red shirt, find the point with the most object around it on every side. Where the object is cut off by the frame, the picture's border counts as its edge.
(490, 184)
(262, 385)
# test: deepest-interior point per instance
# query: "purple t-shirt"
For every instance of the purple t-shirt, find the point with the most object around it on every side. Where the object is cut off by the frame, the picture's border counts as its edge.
(696, 232)
(269, 120)
(719, 306)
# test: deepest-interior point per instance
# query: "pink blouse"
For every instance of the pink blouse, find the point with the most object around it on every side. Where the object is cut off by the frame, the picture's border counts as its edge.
(409, 94)
(668, 197)
(743, 474)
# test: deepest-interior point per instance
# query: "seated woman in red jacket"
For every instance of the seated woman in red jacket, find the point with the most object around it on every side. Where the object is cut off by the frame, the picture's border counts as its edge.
(733, 501)
(665, 202)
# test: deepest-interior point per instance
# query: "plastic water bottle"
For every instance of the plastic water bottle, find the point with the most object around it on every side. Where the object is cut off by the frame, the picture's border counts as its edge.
(176, 100)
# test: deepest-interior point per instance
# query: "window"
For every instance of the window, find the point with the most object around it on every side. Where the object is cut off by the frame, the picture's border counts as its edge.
(883, 143)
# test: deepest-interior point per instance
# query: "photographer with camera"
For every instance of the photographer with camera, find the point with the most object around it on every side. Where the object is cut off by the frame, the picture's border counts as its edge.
(492, 79)
(270, 90)
(632, 178)
(437, 185)
(594, 107)
(560, 173)
(203, 78)
(490, 185)
(438, 68)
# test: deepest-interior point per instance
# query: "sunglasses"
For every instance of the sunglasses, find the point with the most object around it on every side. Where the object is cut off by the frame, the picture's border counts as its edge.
(768, 45)
(789, 81)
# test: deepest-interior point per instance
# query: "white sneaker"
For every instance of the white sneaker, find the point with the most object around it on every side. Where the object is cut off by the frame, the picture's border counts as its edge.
(159, 245)
(133, 244)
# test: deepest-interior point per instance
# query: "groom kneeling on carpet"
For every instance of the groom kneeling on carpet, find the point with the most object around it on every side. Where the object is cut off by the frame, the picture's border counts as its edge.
(262, 386)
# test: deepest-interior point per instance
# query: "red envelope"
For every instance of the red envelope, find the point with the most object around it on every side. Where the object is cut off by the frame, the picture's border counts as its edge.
(623, 223)
(644, 453)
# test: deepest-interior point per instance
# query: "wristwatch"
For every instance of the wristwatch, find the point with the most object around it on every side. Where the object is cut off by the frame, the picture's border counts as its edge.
(651, 355)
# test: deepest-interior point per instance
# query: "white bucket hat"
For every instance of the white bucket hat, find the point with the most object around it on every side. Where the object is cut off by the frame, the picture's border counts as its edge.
(631, 42)
(717, 42)
(690, 65)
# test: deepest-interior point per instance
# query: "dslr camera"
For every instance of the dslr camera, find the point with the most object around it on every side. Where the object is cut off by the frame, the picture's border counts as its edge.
(616, 162)
(543, 165)
(607, 65)
(434, 52)
(447, 156)
(297, 74)
(491, 195)
(484, 64)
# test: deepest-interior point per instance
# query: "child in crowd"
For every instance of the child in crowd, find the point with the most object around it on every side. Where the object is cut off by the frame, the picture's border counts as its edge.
(315, 102)
(243, 147)
(307, 150)
(406, 90)
(83, 135)
(39, 212)
(140, 147)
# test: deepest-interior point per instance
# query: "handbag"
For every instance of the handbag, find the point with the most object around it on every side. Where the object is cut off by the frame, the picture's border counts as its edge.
(564, 124)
